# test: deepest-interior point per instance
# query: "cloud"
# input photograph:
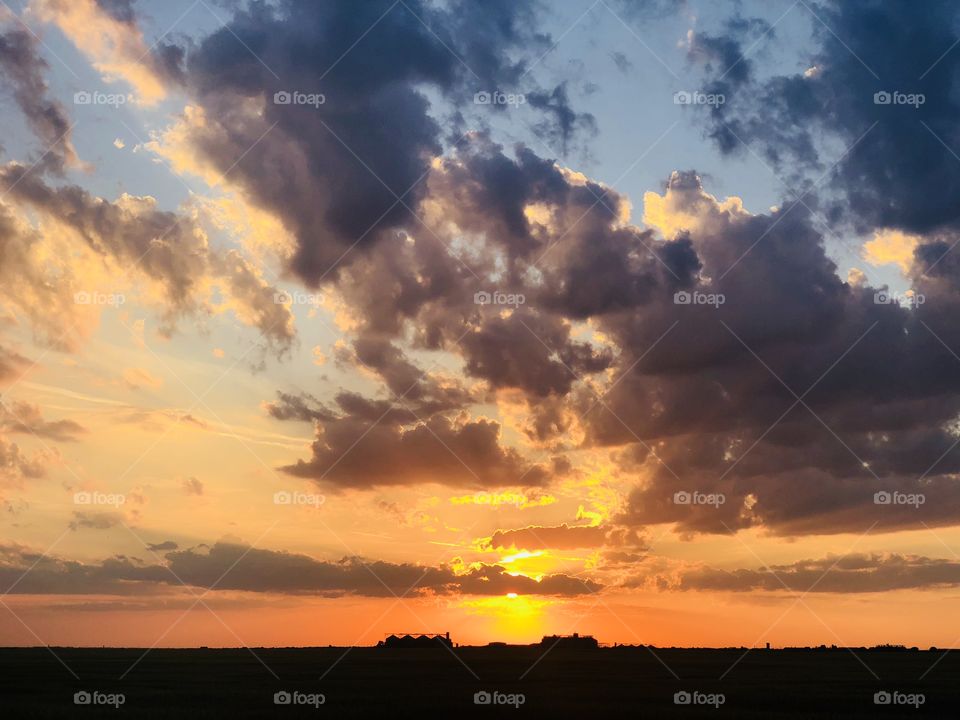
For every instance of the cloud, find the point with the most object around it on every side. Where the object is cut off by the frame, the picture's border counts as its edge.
(532, 352)
(22, 70)
(12, 364)
(162, 546)
(303, 407)
(137, 378)
(855, 573)
(168, 249)
(23, 417)
(192, 486)
(622, 62)
(106, 32)
(709, 397)
(230, 566)
(562, 121)
(353, 452)
(95, 520)
(892, 247)
(899, 174)
(564, 537)
(334, 173)
(15, 465)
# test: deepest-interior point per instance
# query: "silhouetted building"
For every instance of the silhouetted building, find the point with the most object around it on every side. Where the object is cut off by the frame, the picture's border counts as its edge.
(416, 640)
(575, 641)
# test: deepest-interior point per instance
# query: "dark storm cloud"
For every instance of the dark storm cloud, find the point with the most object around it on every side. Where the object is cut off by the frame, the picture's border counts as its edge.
(856, 573)
(901, 174)
(519, 352)
(350, 170)
(713, 397)
(404, 380)
(229, 566)
(21, 72)
(695, 413)
(692, 405)
(353, 452)
(272, 571)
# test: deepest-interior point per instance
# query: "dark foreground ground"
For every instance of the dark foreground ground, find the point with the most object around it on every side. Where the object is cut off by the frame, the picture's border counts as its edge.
(369, 682)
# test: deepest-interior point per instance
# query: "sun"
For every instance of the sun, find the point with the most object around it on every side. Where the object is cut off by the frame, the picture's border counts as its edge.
(513, 617)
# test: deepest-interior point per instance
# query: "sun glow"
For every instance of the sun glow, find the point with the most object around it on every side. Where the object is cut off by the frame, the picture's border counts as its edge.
(511, 617)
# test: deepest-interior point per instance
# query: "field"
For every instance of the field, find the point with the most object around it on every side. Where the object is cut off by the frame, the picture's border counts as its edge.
(370, 682)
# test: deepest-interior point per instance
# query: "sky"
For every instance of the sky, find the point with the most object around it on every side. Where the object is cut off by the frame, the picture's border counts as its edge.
(321, 321)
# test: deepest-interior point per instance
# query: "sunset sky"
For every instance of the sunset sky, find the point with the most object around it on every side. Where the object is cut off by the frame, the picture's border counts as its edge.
(321, 320)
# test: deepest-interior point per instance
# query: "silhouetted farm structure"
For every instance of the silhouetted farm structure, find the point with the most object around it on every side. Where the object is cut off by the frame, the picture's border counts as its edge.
(570, 642)
(416, 640)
